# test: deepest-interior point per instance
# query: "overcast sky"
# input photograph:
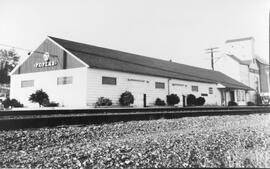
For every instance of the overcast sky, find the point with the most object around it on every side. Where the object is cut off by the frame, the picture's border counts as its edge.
(167, 29)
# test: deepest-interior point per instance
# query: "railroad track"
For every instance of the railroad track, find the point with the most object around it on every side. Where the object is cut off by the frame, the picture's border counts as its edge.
(15, 119)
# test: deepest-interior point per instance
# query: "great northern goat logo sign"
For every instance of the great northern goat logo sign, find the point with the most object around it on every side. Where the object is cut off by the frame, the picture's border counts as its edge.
(46, 56)
(47, 62)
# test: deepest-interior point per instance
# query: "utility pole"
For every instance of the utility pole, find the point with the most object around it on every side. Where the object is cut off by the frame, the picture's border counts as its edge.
(212, 51)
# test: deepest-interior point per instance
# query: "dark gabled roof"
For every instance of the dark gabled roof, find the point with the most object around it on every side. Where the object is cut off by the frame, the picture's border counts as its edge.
(102, 58)
(240, 39)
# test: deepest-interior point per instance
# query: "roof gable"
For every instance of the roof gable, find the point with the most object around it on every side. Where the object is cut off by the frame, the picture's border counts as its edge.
(59, 58)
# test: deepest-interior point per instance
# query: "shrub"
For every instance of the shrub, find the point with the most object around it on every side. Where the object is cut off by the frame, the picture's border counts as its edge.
(16, 103)
(51, 104)
(232, 103)
(251, 103)
(103, 101)
(172, 99)
(199, 101)
(11, 103)
(39, 97)
(7, 103)
(160, 102)
(126, 98)
(191, 99)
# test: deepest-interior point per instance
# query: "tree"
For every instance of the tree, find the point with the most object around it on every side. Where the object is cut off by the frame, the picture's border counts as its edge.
(39, 97)
(8, 60)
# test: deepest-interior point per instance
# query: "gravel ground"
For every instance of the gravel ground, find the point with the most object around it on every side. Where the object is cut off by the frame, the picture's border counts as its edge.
(221, 141)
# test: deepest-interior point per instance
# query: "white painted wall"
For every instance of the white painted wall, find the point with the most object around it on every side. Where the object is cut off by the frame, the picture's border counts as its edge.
(211, 99)
(229, 67)
(96, 89)
(70, 95)
(244, 75)
(244, 50)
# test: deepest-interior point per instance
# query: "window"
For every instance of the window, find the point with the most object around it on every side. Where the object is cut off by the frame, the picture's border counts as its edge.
(194, 88)
(27, 83)
(109, 80)
(64, 80)
(160, 85)
(210, 90)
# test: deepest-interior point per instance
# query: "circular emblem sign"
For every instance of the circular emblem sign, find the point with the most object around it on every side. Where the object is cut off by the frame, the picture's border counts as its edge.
(46, 56)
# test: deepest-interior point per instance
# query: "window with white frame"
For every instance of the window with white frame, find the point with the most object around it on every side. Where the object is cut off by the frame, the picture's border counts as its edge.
(195, 88)
(27, 83)
(160, 85)
(64, 80)
(210, 90)
(109, 80)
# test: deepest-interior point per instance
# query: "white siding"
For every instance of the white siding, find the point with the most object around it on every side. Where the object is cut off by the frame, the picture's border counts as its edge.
(96, 89)
(211, 99)
(244, 75)
(70, 95)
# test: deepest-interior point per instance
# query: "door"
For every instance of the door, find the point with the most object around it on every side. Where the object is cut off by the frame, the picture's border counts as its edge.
(232, 96)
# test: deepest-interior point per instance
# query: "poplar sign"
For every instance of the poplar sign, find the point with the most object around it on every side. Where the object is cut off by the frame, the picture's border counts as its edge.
(45, 64)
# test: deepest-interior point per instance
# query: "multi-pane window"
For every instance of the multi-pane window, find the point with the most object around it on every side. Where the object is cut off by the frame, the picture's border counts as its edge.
(27, 83)
(210, 90)
(160, 85)
(64, 80)
(109, 80)
(194, 88)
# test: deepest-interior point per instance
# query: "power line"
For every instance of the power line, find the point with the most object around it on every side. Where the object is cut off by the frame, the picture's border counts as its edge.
(28, 50)
(212, 51)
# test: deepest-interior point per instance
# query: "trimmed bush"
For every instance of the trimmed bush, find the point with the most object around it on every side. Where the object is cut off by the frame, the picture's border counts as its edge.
(47, 103)
(232, 103)
(103, 101)
(191, 99)
(251, 104)
(126, 98)
(172, 99)
(160, 102)
(11, 103)
(39, 97)
(199, 101)
(16, 103)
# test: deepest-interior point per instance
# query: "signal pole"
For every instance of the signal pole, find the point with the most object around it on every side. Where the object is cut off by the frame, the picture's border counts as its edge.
(212, 51)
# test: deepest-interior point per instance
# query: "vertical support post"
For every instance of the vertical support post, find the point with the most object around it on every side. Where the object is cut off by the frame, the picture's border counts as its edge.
(212, 59)
(64, 60)
(184, 100)
(144, 100)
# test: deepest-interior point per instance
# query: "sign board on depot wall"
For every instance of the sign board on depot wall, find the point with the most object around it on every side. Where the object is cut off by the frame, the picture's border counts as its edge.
(46, 63)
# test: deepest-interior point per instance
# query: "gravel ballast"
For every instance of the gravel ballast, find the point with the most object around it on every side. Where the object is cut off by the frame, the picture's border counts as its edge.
(216, 141)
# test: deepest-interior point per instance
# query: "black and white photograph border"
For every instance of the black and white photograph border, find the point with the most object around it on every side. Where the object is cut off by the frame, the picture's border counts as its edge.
(134, 84)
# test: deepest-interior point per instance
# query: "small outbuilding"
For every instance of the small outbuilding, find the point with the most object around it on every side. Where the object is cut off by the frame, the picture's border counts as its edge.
(76, 75)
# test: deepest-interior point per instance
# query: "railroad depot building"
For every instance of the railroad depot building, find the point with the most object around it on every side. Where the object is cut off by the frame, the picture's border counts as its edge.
(76, 75)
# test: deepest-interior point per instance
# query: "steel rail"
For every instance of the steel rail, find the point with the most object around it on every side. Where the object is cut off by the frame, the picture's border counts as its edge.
(11, 121)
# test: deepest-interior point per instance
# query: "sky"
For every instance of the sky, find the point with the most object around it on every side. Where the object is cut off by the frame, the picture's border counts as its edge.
(179, 30)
